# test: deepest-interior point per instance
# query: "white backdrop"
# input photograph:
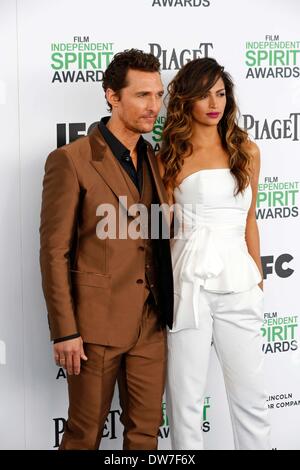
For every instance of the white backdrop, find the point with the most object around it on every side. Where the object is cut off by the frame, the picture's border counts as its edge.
(258, 41)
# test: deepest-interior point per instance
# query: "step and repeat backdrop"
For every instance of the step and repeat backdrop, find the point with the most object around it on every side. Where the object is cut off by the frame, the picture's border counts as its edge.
(52, 57)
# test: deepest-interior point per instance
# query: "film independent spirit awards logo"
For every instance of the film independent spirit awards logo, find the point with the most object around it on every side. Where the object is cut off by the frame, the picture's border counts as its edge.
(280, 333)
(272, 57)
(277, 199)
(80, 60)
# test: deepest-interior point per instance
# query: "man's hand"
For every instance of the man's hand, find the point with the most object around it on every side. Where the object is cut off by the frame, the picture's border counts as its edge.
(67, 354)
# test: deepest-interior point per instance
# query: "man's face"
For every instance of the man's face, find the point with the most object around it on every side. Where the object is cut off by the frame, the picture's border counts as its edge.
(140, 101)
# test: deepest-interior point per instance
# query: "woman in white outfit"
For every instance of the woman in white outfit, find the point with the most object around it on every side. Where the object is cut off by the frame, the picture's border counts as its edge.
(211, 170)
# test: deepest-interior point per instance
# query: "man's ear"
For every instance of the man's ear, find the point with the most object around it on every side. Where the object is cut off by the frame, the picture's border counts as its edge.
(113, 97)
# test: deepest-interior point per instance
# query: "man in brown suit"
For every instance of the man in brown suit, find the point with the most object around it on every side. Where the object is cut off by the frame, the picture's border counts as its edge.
(109, 298)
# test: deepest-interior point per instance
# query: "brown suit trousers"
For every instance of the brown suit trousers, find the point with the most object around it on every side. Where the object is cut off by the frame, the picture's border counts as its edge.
(140, 371)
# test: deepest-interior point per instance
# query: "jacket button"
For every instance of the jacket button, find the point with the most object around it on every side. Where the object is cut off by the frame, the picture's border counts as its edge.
(147, 266)
(139, 281)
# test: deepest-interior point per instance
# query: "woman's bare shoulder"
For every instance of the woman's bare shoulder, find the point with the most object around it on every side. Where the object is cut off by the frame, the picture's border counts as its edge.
(252, 148)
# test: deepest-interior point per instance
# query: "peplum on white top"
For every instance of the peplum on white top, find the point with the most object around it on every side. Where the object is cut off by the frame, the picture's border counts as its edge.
(209, 248)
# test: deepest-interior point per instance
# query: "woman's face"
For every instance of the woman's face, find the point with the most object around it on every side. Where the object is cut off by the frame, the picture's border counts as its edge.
(209, 109)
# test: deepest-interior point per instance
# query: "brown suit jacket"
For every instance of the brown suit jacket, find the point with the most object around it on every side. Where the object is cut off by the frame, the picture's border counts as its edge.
(90, 285)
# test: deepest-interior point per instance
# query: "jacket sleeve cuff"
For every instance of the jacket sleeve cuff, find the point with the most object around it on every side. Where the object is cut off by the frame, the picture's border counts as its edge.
(66, 338)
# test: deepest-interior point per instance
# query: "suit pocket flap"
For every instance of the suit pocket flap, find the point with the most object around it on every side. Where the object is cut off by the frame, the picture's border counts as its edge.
(90, 279)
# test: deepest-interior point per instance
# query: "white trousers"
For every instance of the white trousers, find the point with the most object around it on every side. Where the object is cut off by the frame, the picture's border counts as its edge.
(233, 321)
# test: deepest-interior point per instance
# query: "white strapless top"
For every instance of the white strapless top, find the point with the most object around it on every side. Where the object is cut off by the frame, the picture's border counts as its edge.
(209, 248)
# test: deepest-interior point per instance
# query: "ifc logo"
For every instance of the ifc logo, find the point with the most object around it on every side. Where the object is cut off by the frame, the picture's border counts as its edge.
(2, 353)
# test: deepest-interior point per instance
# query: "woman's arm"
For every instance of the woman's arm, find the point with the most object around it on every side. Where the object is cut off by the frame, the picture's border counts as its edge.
(252, 233)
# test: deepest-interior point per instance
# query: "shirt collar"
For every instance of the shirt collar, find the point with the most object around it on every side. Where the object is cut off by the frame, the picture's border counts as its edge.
(117, 148)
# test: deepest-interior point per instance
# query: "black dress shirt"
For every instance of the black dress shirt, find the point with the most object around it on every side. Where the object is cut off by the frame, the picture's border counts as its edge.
(123, 155)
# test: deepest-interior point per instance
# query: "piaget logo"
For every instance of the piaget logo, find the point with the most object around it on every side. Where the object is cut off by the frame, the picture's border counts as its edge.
(279, 333)
(180, 3)
(174, 59)
(272, 58)
(277, 199)
(280, 128)
(80, 60)
(111, 430)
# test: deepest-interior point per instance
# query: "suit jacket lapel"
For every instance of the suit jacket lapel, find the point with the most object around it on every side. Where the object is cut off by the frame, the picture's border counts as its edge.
(106, 164)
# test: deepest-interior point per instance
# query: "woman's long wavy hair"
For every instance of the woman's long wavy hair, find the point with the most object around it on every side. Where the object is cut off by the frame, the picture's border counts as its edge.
(192, 82)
